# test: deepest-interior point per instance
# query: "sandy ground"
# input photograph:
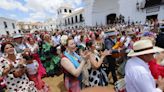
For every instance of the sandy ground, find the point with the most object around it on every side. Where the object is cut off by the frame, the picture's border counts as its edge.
(57, 85)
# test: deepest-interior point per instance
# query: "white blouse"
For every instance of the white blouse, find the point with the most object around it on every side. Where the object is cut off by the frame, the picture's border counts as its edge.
(32, 68)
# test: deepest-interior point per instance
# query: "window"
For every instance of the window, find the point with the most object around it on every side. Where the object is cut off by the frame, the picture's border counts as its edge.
(150, 3)
(7, 32)
(76, 19)
(65, 22)
(72, 20)
(19, 31)
(70, 11)
(68, 21)
(13, 25)
(5, 24)
(81, 18)
(60, 11)
(65, 10)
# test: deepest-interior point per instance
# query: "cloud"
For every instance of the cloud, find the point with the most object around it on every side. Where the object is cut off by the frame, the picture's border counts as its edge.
(48, 8)
(37, 9)
(12, 4)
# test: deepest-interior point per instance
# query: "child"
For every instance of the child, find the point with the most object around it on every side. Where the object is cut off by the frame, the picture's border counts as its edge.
(32, 71)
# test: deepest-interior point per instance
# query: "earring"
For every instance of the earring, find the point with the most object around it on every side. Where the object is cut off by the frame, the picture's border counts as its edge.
(5, 55)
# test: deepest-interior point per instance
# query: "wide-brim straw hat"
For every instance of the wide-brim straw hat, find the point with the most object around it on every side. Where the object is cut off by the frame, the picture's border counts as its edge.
(111, 32)
(17, 36)
(143, 47)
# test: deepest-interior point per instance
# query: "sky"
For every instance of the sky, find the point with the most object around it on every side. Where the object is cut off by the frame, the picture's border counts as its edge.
(33, 10)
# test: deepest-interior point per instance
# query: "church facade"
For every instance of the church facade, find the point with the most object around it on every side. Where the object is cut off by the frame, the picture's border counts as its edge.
(102, 12)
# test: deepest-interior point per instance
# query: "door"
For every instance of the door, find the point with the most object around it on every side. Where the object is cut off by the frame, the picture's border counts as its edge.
(111, 18)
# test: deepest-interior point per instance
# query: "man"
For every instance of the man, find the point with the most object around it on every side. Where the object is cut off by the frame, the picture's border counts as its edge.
(18, 43)
(109, 42)
(160, 38)
(138, 77)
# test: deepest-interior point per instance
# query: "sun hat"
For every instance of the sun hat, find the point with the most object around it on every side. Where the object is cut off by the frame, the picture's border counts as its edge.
(143, 47)
(111, 32)
(17, 36)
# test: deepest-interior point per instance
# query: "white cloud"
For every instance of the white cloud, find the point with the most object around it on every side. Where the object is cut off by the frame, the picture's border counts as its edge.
(11, 5)
(46, 7)
(37, 9)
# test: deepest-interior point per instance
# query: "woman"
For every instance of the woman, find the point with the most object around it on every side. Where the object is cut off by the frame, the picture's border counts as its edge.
(32, 71)
(12, 67)
(72, 64)
(96, 75)
(98, 42)
(33, 46)
(49, 57)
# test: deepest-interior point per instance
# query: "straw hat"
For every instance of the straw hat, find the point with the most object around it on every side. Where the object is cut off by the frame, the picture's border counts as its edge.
(143, 47)
(17, 36)
(111, 32)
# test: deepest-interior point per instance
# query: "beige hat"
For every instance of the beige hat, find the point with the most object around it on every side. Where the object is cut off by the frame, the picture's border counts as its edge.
(143, 47)
(111, 32)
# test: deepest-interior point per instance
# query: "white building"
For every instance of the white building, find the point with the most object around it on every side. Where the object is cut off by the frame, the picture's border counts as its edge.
(69, 18)
(50, 24)
(102, 12)
(8, 26)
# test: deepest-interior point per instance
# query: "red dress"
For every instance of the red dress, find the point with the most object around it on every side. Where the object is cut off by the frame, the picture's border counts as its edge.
(156, 70)
(41, 70)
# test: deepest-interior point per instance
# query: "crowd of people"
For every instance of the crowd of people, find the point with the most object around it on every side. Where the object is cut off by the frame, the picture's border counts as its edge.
(87, 57)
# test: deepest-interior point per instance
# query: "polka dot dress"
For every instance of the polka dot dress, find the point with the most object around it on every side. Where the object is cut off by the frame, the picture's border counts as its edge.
(19, 84)
(97, 77)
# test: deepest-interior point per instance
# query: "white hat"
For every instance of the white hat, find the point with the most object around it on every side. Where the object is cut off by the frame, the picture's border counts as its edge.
(143, 47)
(111, 32)
(17, 36)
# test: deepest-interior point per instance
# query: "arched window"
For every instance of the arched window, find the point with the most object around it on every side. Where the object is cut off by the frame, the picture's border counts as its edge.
(65, 10)
(5, 24)
(13, 25)
(81, 18)
(76, 19)
(68, 21)
(70, 11)
(72, 20)
(65, 21)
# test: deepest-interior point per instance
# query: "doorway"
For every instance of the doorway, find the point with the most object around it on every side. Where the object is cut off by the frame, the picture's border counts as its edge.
(152, 17)
(111, 18)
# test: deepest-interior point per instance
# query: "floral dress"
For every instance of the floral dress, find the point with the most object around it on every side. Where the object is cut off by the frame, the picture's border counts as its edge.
(49, 59)
(19, 84)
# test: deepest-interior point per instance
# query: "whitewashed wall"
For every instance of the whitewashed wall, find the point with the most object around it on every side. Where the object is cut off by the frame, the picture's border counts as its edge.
(128, 8)
(102, 8)
(9, 26)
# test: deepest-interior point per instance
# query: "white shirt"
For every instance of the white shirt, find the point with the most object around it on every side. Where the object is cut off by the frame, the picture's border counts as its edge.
(77, 39)
(32, 68)
(138, 77)
(56, 39)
